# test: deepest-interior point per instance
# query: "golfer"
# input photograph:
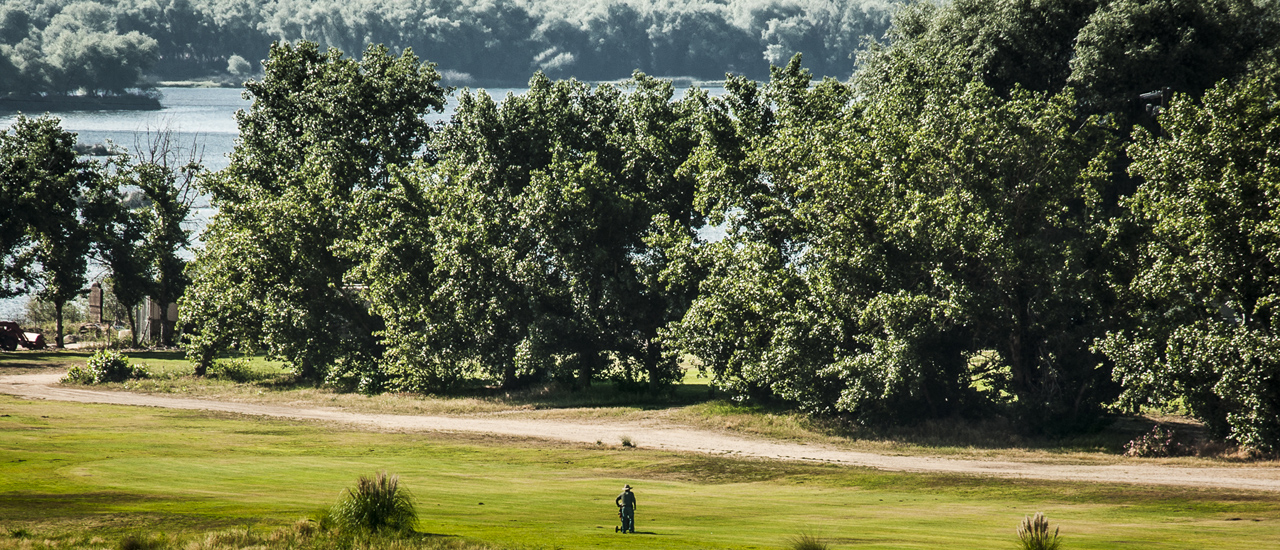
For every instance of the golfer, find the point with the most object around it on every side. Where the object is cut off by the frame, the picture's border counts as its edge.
(627, 509)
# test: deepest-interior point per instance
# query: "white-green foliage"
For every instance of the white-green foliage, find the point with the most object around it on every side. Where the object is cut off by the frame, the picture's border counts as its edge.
(376, 503)
(65, 47)
(103, 367)
(50, 42)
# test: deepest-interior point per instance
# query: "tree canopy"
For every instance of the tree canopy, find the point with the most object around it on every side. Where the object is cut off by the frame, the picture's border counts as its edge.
(1045, 211)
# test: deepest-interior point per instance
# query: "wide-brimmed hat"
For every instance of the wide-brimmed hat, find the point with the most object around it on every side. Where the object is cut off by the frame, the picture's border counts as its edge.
(626, 487)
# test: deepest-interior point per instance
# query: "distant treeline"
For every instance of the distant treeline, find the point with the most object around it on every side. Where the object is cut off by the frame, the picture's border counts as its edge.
(61, 45)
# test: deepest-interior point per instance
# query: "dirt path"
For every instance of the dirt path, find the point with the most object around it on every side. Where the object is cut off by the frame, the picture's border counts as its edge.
(676, 438)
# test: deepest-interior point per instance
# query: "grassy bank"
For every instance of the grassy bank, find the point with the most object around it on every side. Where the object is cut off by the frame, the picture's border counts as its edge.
(71, 472)
(691, 403)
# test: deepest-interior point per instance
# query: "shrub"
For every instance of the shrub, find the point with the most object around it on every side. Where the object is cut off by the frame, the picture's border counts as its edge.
(235, 370)
(626, 441)
(1034, 534)
(140, 541)
(377, 503)
(103, 367)
(805, 541)
(1158, 442)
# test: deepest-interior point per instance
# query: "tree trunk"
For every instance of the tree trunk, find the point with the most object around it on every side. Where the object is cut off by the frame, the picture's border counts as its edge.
(306, 370)
(57, 309)
(204, 361)
(133, 326)
(652, 360)
(587, 367)
(509, 375)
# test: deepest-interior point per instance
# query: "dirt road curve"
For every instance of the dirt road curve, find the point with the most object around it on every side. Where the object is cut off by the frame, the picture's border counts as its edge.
(44, 386)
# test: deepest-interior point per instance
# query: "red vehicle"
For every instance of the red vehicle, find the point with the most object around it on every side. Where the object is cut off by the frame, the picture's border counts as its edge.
(12, 336)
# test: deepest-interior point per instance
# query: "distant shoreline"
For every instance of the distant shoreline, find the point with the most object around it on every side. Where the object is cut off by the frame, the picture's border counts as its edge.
(79, 103)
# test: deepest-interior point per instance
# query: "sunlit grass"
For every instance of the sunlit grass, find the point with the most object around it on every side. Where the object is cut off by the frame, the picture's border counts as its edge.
(691, 403)
(71, 470)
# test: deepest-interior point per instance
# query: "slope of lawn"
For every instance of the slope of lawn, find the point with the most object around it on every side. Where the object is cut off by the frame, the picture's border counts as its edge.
(68, 470)
(690, 403)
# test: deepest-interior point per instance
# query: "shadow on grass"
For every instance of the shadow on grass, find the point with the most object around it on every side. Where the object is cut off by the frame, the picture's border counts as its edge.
(104, 511)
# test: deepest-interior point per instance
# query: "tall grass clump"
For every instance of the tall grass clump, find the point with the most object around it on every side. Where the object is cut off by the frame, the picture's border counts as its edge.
(1034, 534)
(375, 504)
(143, 541)
(805, 541)
(105, 366)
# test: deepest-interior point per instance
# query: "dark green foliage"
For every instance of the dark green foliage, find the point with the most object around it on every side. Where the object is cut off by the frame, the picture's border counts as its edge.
(323, 130)
(235, 370)
(877, 248)
(375, 504)
(1205, 291)
(1131, 47)
(543, 243)
(104, 367)
(142, 245)
(40, 171)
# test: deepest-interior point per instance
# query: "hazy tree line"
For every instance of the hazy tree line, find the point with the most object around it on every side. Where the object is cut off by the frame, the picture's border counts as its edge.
(107, 45)
(59, 211)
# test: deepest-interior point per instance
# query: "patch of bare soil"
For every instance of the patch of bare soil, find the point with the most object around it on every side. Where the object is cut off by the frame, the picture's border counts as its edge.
(656, 434)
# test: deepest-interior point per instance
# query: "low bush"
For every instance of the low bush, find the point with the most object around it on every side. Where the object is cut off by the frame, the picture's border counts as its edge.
(235, 370)
(1156, 443)
(375, 504)
(103, 367)
(1034, 534)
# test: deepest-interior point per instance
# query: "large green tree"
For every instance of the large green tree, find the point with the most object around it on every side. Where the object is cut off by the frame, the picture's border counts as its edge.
(913, 251)
(1204, 330)
(323, 128)
(38, 165)
(535, 247)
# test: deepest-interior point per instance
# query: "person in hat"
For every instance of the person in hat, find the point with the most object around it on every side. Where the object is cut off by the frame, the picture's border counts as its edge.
(627, 509)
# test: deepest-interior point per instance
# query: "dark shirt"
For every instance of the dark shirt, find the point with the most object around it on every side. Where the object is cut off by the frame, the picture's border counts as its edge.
(626, 500)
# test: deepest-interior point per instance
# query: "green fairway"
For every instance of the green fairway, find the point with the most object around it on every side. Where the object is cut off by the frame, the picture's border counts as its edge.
(70, 468)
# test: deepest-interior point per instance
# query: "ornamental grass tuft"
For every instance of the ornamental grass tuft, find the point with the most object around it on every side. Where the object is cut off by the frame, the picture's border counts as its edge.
(1034, 534)
(375, 504)
(805, 541)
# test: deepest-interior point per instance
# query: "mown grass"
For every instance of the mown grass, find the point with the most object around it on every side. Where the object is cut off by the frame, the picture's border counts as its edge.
(70, 472)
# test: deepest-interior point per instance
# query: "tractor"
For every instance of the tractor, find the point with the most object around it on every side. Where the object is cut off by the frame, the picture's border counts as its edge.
(12, 336)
